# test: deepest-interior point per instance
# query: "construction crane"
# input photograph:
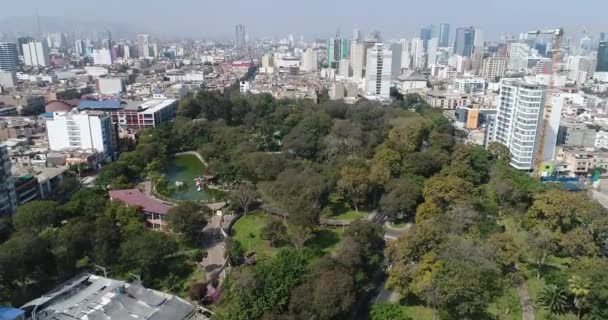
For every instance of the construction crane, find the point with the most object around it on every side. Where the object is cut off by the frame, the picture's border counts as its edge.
(557, 35)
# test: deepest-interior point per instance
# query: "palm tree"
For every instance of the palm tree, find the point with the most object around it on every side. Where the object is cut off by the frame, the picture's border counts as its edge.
(554, 299)
(580, 290)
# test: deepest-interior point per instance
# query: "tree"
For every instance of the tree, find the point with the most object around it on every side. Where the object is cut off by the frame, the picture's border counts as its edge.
(402, 198)
(425, 163)
(579, 287)
(326, 294)
(38, 215)
(189, 219)
(244, 196)
(578, 242)
(197, 292)
(444, 190)
(540, 246)
(554, 299)
(427, 210)
(388, 311)
(500, 151)
(274, 231)
(146, 250)
(385, 165)
(24, 259)
(354, 183)
(407, 135)
(234, 252)
(106, 239)
(87, 201)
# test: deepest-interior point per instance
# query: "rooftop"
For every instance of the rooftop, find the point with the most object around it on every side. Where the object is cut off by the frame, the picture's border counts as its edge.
(134, 197)
(93, 297)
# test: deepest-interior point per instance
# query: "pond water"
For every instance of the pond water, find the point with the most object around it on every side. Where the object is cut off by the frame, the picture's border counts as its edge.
(186, 168)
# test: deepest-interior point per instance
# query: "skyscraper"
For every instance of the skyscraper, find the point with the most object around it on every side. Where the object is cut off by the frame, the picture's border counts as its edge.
(425, 34)
(431, 52)
(8, 56)
(519, 120)
(334, 52)
(309, 61)
(464, 42)
(397, 50)
(378, 71)
(21, 41)
(344, 48)
(143, 46)
(602, 57)
(444, 35)
(36, 54)
(357, 59)
(239, 40)
(357, 35)
(417, 52)
(518, 56)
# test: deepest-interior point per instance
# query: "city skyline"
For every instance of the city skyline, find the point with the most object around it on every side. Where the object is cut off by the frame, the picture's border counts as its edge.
(392, 18)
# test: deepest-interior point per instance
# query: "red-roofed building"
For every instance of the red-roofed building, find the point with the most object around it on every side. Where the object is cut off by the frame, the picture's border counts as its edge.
(154, 210)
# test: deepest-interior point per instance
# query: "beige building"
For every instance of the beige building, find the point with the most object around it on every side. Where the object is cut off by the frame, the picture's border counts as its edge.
(493, 67)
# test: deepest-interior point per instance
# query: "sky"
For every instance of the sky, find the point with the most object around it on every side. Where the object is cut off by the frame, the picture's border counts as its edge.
(321, 18)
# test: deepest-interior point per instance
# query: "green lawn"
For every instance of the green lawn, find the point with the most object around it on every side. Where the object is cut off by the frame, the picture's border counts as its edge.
(252, 224)
(419, 312)
(324, 240)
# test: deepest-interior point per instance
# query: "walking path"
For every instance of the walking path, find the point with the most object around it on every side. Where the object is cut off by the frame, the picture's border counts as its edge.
(527, 307)
(213, 243)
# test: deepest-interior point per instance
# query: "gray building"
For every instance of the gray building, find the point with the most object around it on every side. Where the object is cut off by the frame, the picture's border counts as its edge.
(444, 35)
(576, 135)
(464, 42)
(8, 56)
(397, 49)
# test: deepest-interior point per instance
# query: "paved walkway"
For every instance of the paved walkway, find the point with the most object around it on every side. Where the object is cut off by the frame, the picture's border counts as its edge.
(213, 242)
(393, 233)
(527, 306)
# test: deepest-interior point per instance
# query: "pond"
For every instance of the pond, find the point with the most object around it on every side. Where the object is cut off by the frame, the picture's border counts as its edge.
(185, 168)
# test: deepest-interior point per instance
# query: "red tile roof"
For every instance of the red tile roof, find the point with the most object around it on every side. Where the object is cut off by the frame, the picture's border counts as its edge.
(134, 197)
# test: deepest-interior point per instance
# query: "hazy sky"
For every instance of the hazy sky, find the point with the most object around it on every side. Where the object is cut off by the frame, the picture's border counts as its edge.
(320, 18)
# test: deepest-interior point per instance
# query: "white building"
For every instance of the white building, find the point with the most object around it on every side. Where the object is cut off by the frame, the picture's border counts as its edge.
(102, 57)
(110, 85)
(470, 85)
(417, 51)
(378, 71)
(519, 120)
(36, 54)
(344, 70)
(580, 68)
(8, 197)
(431, 52)
(492, 68)
(357, 58)
(81, 130)
(309, 61)
(518, 56)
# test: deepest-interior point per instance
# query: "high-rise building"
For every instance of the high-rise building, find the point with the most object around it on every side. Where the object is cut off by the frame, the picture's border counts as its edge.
(378, 71)
(464, 42)
(21, 41)
(519, 120)
(309, 61)
(602, 57)
(444, 35)
(518, 56)
(417, 50)
(334, 52)
(143, 46)
(581, 68)
(397, 49)
(8, 196)
(406, 55)
(36, 54)
(431, 52)
(425, 34)
(239, 37)
(357, 59)
(478, 42)
(344, 69)
(493, 67)
(8, 56)
(102, 57)
(79, 46)
(603, 36)
(357, 35)
(81, 130)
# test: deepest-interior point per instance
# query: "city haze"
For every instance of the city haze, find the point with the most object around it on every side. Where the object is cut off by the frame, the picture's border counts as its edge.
(313, 18)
